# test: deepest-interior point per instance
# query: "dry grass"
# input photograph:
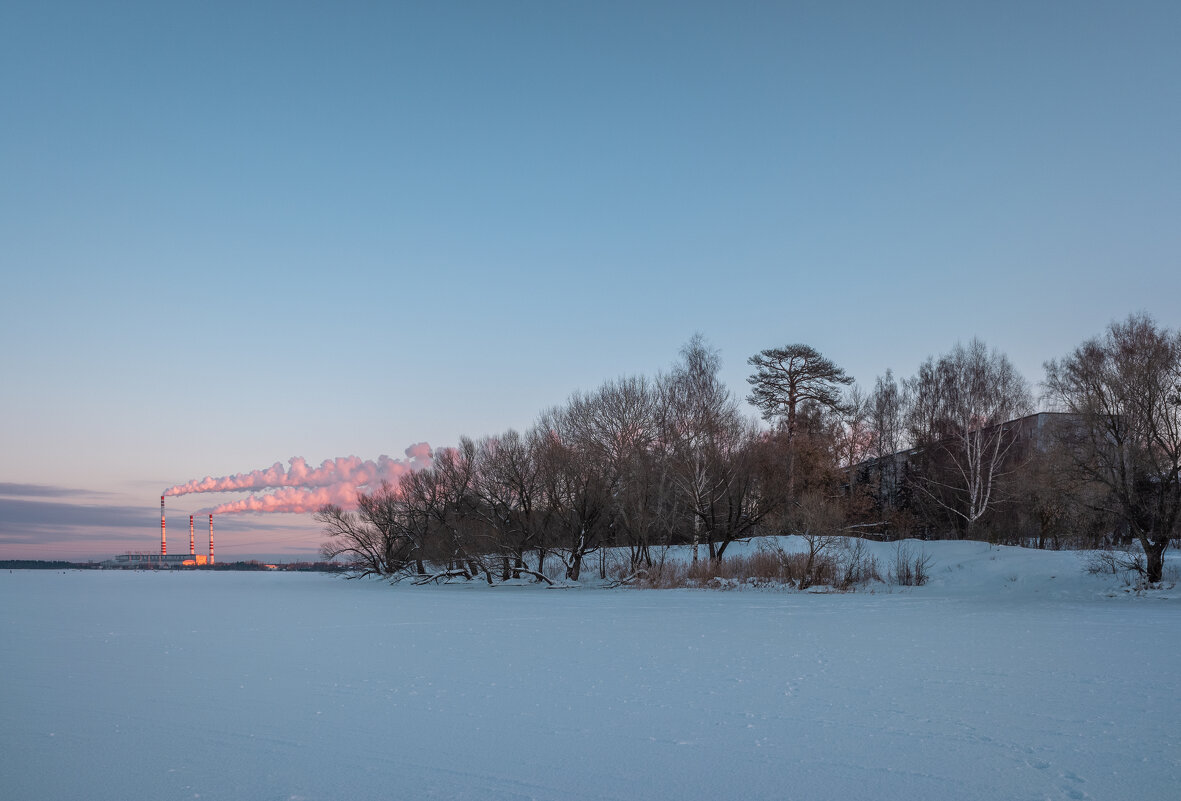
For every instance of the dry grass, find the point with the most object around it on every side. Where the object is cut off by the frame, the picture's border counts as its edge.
(843, 569)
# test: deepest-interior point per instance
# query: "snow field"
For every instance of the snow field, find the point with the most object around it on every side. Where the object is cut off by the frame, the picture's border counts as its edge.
(994, 681)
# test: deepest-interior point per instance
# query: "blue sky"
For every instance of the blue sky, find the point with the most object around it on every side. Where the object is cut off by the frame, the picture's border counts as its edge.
(232, 235)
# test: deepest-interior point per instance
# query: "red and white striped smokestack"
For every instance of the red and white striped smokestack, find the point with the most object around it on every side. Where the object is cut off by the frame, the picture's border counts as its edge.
(211, 539)
(192, 550)
(163, 539)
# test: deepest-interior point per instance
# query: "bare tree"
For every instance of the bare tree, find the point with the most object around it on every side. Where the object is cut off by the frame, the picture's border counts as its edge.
(575, 486)
(646, 514)
(750, 489)
(373, 540)
(509, 486)
(620, 423)
(924, 404)
(958, 408)
(444, 501)
(1125, 388)
(1050, 496)
(699, 412)
(885, 410)
(818, 521)
(852, 430)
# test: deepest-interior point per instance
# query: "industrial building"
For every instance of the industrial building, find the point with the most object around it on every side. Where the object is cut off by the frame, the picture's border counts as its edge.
(131, 561)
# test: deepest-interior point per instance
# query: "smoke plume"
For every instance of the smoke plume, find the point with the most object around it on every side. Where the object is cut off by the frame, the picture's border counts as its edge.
(302, 488)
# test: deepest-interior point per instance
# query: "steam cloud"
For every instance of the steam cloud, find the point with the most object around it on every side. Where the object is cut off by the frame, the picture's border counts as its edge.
(301, 488)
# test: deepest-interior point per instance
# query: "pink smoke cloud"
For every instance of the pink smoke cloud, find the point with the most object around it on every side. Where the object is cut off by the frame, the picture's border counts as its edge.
(303, 488)
(294, 500)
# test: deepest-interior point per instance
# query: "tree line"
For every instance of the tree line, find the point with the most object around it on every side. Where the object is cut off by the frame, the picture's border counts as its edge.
(640, 464)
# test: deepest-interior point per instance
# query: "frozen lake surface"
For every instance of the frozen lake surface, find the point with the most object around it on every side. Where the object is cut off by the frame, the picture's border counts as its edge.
(1011, 676)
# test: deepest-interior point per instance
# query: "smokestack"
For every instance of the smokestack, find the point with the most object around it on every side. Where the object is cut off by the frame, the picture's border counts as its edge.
(211, 539)
(192, 550)
(163, 538)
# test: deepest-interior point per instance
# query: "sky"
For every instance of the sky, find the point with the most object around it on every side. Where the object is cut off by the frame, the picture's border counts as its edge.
(236, 234)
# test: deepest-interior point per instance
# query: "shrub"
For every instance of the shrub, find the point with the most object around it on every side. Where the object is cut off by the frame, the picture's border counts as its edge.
(1115, 562)
(1128, 564)
(757, 568)
(910, 569)
(857, 566)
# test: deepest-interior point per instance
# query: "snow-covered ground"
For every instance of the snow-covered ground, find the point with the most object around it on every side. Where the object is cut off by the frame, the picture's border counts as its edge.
(1012, 675)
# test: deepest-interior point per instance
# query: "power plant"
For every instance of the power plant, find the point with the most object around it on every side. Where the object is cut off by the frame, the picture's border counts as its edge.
(163, 559)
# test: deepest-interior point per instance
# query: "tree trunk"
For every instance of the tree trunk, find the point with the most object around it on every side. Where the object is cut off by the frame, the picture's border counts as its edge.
(575, 567)
(1154, 553)
(791, 440)
(725, 543)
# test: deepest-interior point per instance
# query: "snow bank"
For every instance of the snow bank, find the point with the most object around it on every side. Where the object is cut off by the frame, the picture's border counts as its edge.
(289, 686)
(972, 569)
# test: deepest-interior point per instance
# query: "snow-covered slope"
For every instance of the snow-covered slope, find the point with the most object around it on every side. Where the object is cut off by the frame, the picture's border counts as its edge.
(1011, 675)
(978, 570)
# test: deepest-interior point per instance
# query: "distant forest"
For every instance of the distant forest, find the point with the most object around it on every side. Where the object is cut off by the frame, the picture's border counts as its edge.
(42, 564)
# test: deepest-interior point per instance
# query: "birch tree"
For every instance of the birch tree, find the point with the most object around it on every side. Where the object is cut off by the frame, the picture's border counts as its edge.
(959, 407)
(699, 412)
